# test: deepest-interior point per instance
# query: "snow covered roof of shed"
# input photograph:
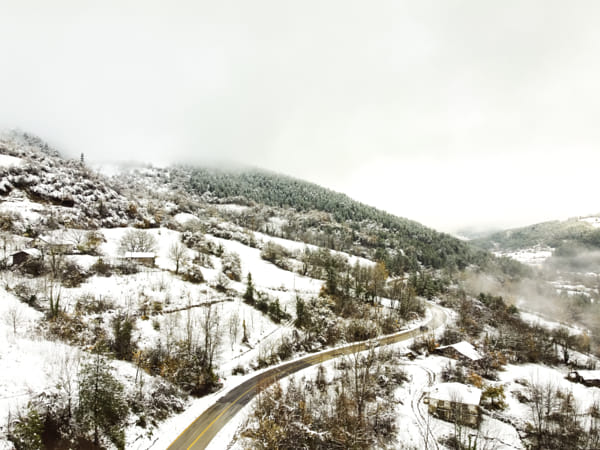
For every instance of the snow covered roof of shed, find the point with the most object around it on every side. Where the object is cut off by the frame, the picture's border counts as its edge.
(34, 252)
(139, 255)
(456, 392)
(589, 375)
(464, 348)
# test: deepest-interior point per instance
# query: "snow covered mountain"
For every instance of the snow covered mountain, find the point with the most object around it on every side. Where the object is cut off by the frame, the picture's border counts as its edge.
(154, 290)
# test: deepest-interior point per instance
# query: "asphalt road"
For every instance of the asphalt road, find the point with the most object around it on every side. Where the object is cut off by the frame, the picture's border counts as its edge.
(202, 430)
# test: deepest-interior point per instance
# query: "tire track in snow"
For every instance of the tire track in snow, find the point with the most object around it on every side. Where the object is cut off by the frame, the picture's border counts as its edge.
(421, 419)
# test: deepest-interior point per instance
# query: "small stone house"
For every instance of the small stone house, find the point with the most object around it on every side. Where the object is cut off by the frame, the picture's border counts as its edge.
(460, 350)
(455, 402)
(585, 377)
(24, 255)
(56, 246)
(144, 258)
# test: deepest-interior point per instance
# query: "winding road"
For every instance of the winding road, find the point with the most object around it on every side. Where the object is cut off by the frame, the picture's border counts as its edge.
(202, 430)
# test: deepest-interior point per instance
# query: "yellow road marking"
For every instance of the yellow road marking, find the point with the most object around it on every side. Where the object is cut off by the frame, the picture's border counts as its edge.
(219, 416)
(226, 409)
(311, 360)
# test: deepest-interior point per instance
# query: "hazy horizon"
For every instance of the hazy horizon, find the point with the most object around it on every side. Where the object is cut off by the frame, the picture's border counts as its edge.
(456, 115)
(110, 167)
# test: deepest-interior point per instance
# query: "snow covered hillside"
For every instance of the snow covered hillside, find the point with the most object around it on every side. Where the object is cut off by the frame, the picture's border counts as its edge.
(139, 293)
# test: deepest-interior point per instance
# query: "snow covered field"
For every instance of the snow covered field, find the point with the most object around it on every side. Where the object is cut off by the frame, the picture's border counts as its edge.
(593, 221)
(533, 257)
(29, 366)
(162, 303)
(10, 161)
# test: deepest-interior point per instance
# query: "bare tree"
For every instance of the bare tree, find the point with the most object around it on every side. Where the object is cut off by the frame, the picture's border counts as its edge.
(53, 289)
(75, 237)
(169, 327)
(137, 241)
(592, 426)
(68, 368)
(458, 417)
(362, 379)
(234, 327)
(210, 325)
(543, 402)
(14, 317)
(55, 255)
(178, 254)
(190, 324)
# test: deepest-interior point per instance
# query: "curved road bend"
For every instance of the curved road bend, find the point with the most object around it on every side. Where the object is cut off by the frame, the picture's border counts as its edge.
(200, 432)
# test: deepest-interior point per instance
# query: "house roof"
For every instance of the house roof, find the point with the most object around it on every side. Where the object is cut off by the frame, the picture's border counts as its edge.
(139, 255)
(34, 252)
(456, 392)
(465, 349)
(589, 375)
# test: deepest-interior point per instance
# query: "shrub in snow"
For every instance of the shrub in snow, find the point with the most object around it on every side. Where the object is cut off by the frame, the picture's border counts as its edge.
(27, 431)
(238, 370)
(277, 254)
(231, 265)
(494, 397)
(122, 343)
(26, 293)
(127, 268)
(72, 329)
(34, 267)
(72, 274)
(90, 304)
(11, 222)
(193, 274)
(204, 260)
(91, 242)
(193, 239)
(100, 267)
(360, 330)
(222, 282)
(163, 400)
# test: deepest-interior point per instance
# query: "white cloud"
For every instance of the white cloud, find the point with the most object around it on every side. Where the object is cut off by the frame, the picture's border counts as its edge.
(478, 94)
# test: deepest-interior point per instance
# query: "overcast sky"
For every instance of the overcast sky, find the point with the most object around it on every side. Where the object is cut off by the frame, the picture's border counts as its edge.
(452, 113)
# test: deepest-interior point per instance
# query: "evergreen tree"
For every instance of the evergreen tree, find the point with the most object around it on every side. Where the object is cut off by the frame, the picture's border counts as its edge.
(27, 433)
(102, 408)
(245, 336)
(122, 344)
(302, 315)
(249, 294)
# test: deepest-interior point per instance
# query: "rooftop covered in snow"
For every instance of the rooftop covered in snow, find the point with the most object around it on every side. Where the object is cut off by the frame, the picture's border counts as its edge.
(588, 375)
(32, 252)
(456, 392)
(139, 255)
(464, 348)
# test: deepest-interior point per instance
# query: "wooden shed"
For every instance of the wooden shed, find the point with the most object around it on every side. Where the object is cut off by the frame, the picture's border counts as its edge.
(144, 258)
(455, 402)
(460, 350)
(24, 255)
(585, 377)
